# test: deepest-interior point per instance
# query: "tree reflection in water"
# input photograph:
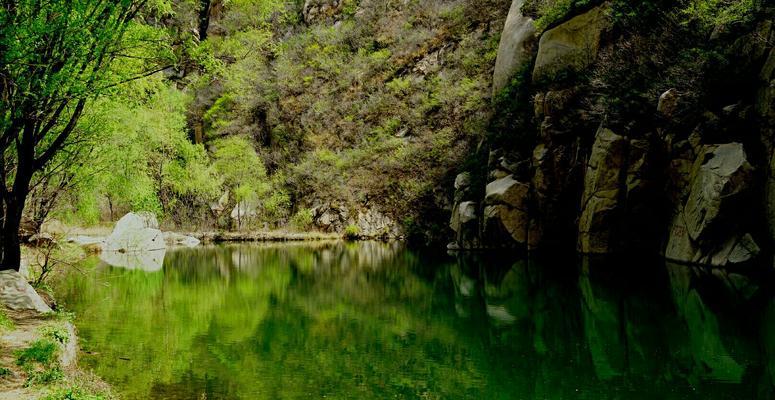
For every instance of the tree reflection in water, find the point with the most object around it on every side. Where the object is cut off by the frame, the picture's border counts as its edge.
(374, 320)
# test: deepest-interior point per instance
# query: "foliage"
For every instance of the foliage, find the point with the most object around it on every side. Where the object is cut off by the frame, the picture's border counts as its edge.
(57, 333)
(302, 219)
(709, 14)
(142, 159)
(72, 393)
(39, 362)
(54, 60)
(549, 12)
(352, 232)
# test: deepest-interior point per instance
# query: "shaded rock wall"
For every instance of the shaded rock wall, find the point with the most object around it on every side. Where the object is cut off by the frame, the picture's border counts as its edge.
(692, 180)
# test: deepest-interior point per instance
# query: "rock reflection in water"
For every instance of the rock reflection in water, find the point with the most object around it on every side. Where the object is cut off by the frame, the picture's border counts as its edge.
(374, 320)
(149, 261)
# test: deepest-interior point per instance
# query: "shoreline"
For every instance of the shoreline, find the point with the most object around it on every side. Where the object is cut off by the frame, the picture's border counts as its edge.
(39, 345)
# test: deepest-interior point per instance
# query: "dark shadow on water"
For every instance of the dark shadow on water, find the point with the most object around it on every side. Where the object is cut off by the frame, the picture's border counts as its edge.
(375, 320)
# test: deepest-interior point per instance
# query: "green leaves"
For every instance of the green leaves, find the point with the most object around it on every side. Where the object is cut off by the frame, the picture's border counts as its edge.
(712, 13)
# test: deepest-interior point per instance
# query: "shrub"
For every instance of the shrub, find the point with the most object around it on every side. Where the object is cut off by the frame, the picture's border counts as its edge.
(352, 232)
(302, 219)
(56, 332)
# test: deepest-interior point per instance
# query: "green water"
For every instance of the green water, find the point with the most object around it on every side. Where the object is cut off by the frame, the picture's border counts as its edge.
(375, 321)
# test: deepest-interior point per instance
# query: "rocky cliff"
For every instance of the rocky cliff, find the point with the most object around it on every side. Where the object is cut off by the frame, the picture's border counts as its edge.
(613, 134)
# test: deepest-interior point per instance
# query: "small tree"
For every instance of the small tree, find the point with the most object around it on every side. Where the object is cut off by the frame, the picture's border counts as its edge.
(54, 57)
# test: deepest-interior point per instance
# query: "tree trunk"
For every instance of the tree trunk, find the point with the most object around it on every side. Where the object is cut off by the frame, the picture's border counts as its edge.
(14, 209)
(10, 235)
(204, 18)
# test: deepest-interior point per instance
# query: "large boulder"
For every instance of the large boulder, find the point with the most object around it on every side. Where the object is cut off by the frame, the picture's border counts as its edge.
(705, 229)
(506, 211)
(17, 294)
(602, 187)
(135, 232)
(516, 48)
(572, 46)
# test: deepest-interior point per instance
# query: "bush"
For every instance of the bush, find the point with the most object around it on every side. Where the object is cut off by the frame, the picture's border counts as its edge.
(56, 332)
(352, 232)
(302, 220)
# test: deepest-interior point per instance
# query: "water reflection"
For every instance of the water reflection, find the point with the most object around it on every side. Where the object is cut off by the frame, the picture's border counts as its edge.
(373, 320)
(149, 261)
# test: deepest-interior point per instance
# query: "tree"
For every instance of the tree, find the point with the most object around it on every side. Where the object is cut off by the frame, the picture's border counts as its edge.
(55, 56)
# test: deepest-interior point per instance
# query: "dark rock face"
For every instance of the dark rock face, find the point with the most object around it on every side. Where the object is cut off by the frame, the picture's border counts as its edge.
(694, 184)
(600, 204)
(465, 215)
(705, 230)
(506, 211)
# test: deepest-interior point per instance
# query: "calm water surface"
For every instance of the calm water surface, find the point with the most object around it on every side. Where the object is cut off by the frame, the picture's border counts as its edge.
(376, 321)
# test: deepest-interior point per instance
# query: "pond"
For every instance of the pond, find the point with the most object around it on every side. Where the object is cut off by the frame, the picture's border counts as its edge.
(376, 321)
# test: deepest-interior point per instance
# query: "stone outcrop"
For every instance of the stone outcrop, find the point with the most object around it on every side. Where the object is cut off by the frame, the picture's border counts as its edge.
(465, 215)
(516, 48)
(705, 229)
(321, 10)
(174, 239)
(465, 224)
(17, 294)
(572, 46)
(372, 223)
(668, 103)
(330, 217)
(506, 210)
